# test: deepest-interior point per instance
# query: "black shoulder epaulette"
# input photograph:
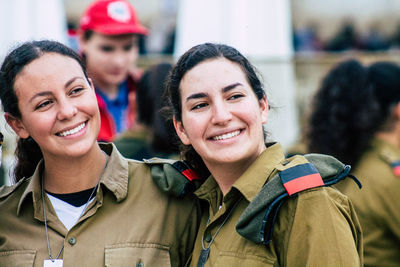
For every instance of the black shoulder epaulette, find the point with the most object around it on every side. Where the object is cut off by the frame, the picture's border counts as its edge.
(173, 176)
(257, 221)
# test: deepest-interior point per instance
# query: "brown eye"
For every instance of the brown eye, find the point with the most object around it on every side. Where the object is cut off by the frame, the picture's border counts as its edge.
(106, 48)
(199, 106)
(236, 96)
(76, 90)
(43, 104)
(128, 47)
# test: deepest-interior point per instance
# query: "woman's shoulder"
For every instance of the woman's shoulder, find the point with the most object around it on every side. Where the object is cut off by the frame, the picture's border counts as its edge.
(299, 181)
(381, 162)
(13, 192)
(172, 177)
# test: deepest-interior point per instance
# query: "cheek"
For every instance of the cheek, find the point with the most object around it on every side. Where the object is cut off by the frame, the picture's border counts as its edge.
(96, 58)
(194, 126)
(38, 125)
(91, 105)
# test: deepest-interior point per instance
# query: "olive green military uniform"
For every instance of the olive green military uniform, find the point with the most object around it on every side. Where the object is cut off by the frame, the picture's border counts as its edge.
(378, 203)
(130, 223)
(318, 227)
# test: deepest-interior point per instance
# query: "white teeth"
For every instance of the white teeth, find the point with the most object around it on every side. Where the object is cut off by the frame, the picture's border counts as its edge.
(72, 131)
(226, 136)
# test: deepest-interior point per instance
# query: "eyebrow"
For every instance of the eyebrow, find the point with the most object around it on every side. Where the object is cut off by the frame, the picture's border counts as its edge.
(68, 83)
(45, 93)
(224, 90)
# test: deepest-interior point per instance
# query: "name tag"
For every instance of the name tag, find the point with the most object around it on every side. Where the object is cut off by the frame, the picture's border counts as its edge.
(53, 263)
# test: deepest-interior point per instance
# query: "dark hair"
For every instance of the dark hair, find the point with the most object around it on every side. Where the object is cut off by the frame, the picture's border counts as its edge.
(352, 104)
(186, 62)
(149, 101)
(28, 153)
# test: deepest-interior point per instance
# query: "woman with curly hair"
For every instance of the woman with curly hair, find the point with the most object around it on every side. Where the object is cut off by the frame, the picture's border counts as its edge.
(356, 118)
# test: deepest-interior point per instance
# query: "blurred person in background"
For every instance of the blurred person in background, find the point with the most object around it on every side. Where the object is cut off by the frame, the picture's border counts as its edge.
(108, 35)
(251, 214)
(356, 118)
(347, 38)
(153, 136)
(77, 202)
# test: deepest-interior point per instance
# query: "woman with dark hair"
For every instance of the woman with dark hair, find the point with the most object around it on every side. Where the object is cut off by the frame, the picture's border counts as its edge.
(78, 202)
(356, 118)
(260, 209)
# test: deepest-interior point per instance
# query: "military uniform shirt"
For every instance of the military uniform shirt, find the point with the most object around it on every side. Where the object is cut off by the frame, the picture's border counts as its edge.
(378, 203)
(318, 227)
(130, 222)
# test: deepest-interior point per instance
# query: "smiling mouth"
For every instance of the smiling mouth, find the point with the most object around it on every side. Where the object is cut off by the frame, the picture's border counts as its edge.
(226, 136)
(72, 131)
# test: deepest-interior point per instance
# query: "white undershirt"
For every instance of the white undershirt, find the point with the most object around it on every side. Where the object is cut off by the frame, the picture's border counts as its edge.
(67, 213)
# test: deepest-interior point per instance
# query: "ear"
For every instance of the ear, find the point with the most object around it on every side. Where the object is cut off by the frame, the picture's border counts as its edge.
(82, 41)
(181, 132)
(16, 125)
(264, 109)
(396, 111)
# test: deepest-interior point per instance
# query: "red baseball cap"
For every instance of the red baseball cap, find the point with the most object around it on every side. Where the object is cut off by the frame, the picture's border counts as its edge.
(111, 17)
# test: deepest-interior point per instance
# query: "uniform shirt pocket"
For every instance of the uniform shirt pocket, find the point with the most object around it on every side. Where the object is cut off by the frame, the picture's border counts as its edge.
(17, 258)
(137, 254)
(232, 259)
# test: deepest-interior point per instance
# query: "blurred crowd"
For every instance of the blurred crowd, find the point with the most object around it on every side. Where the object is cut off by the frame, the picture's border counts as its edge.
(347, 37)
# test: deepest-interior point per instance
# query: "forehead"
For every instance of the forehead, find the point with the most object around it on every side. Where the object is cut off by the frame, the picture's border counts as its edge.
(47, 71)
(214, 73)
(99, 38)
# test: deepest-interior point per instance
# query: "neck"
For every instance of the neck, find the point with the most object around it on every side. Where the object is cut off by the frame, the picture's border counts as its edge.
(110, 90)
(390, 137)
(69, 175)
(227, 174)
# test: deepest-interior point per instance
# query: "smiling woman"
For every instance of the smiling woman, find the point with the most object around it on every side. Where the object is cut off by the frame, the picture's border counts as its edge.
(69, 187)
(263, 209)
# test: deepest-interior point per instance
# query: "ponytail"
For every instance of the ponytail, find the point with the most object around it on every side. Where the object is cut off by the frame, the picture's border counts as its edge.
(28, 155)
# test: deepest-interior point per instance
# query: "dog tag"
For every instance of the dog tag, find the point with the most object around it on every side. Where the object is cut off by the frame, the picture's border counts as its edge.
(53, 263)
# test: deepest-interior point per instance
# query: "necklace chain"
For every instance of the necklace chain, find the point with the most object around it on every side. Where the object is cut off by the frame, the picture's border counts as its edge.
(219, 227)
(83, 211)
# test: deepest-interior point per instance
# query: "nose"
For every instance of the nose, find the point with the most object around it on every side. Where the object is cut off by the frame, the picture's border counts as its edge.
(221, 114)
(67, 110)
(119, 58)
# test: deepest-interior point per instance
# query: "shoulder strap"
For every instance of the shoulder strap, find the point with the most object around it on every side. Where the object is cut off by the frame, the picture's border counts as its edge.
(393, 160)
(300, 178)
(257, 221)
(172, 176)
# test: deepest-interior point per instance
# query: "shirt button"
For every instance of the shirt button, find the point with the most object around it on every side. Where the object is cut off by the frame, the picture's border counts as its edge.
(72, 241)
(208, 238)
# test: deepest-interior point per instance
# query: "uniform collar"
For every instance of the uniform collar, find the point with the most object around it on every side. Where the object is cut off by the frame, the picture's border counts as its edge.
(387, 151)
(114, 178)
(253, 179)
(116, 174)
